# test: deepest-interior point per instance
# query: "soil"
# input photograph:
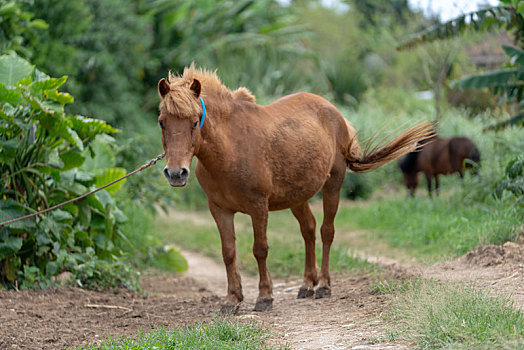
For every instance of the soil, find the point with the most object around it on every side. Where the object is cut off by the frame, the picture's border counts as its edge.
(349, 319)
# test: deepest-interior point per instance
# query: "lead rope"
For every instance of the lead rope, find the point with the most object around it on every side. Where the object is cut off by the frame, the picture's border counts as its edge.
(145, 166)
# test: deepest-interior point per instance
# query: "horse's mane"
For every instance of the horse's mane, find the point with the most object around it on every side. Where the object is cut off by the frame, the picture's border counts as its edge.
(180, 99)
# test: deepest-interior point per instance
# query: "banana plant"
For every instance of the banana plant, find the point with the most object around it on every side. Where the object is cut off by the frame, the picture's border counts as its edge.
(260, 37)
(507, 82)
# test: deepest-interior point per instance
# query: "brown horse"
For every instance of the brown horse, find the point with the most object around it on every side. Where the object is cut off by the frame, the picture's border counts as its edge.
(254, 159)
(438, 156)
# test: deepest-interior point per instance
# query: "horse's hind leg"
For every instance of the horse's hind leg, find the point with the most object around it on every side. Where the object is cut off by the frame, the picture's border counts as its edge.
(307, 227)
(331, 197)
(225, 224)
(260, 249)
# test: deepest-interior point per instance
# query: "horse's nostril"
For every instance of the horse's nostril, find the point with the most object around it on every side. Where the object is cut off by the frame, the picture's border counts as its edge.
(166, 172)
(184, 172)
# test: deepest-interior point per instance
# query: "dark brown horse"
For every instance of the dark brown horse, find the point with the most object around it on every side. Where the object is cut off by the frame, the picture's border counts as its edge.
(254, 159)
(438, 156)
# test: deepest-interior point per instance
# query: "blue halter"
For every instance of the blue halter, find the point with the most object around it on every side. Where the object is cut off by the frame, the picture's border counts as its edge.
(203, 113)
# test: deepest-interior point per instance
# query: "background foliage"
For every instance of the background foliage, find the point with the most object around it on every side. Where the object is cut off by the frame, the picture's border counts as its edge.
(113, 53)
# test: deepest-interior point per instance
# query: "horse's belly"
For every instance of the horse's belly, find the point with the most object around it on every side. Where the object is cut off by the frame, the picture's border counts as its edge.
(300, 180)
(279, 202)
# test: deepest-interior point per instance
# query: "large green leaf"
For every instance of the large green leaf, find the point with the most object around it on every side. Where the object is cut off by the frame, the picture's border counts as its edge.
(61, 97)
(84, 213)
(95, 202)
(13, 69)
(485, 19)
(104, 155)
(61, 216)
(498, 78)
(89, 127)
(47, 84)
(72, 159)
(105, 199)
(515, 120)
(8, 150)
(74, 188)
(53, 159)
(9, 245)
(62, 130)
(10, 209)
(12, 96)
(105, 176)
(516, 55)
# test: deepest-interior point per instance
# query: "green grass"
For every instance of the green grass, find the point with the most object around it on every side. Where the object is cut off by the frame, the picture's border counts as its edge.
(218, 334)
(390, 286)
(439, 315)
(437, 228)
(286, 246)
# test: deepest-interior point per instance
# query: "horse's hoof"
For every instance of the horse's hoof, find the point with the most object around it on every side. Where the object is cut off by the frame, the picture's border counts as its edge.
(323, 292)
(305, 292)
(229, 309)
(263, 304)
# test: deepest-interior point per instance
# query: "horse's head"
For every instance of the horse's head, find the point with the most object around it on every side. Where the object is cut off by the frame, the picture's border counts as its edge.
(408, 165)
(181, 111)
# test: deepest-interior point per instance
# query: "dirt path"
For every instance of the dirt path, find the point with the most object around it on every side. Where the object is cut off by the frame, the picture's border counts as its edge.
(350, 319)
(66, 317)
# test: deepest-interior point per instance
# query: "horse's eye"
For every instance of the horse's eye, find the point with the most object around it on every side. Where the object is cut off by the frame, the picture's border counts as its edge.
(161, 123)
(194, 125)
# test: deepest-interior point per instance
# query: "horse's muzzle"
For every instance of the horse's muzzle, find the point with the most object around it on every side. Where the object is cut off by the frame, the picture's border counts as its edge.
(177, 177)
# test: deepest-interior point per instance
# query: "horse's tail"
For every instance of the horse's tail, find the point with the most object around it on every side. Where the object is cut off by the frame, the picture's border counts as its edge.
(374, 157)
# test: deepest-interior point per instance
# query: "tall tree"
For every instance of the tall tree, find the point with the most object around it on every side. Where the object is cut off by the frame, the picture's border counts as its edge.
(102, 45)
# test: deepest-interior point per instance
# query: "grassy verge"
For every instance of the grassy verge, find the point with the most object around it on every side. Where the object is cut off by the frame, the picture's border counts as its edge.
(438, 228)
(286, 246)
(439, 315)
(218, 334)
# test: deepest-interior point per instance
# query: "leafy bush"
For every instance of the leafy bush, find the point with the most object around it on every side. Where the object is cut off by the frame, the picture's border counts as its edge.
(43, 161)
(16, 27)
(95, 43)
(514, 179)
(356, 186)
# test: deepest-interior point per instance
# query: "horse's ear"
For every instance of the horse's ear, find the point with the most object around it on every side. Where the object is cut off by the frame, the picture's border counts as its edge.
(163, 87)
(195, 86)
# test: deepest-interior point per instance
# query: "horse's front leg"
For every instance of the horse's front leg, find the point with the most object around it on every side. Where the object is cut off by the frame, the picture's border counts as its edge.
(225, 224)
(260, 250)
(428, 180)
